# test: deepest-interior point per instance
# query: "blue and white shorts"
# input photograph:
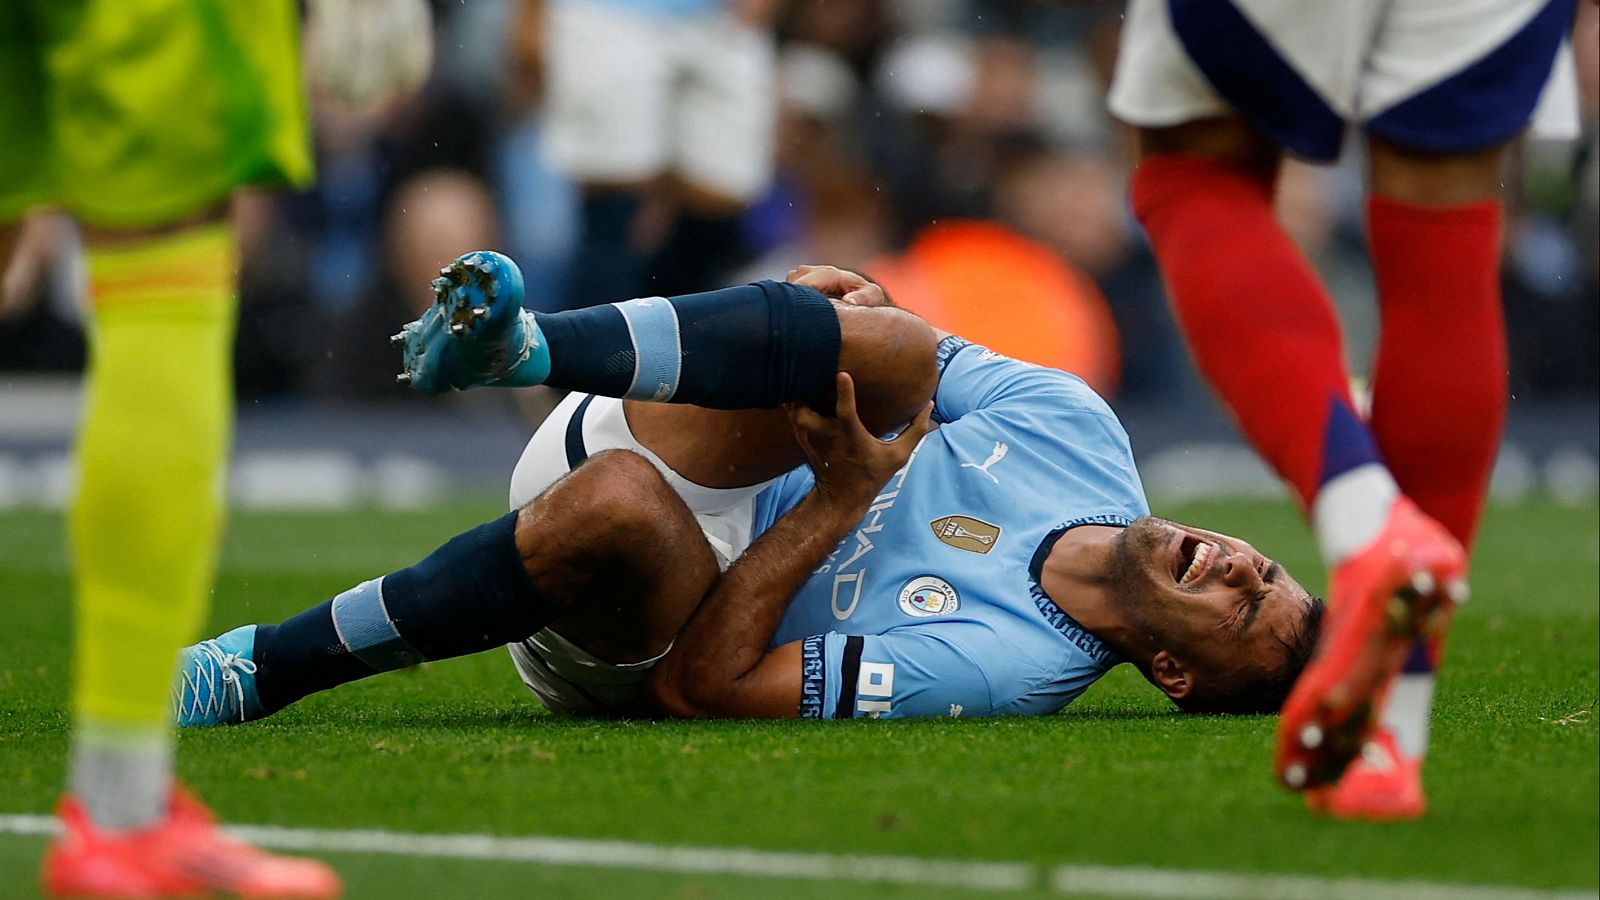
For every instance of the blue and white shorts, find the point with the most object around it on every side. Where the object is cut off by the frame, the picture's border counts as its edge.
(1447, 76)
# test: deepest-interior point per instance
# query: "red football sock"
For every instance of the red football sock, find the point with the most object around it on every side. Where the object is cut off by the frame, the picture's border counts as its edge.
(1439, 384)
(1258, 320)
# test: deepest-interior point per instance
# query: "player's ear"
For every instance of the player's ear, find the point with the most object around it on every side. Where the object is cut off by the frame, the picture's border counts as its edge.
(1172, 676)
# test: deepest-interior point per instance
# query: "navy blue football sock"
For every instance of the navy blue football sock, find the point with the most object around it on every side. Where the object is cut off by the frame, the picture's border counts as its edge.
(470, 595)
(749, 347)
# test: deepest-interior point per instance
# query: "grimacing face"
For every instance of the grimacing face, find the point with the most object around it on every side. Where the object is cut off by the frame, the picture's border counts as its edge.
(1213, 599)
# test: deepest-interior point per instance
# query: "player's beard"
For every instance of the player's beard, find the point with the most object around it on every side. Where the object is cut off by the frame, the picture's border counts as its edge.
(1132, 581)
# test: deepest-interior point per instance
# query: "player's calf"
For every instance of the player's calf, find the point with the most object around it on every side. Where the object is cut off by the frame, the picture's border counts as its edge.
(472, 594)
(611, 530)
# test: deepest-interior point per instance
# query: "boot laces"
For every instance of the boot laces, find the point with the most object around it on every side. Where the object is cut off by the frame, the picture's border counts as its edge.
(212, 688)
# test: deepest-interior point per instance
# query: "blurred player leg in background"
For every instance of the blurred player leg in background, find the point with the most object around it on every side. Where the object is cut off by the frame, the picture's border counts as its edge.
(141, 117)
(1438, 395)
(662, 113)
(140, 160)
(1217, 102)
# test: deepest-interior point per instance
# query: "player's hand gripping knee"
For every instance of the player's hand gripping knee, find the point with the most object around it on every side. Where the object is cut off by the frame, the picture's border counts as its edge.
(850, 463)
(847, 287)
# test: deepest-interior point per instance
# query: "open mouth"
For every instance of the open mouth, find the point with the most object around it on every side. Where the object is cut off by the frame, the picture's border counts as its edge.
(1194, 559)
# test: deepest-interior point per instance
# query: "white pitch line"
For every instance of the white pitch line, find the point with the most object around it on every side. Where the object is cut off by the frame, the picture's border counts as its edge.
(968, 874)
(1115, 881)
(1112, 881)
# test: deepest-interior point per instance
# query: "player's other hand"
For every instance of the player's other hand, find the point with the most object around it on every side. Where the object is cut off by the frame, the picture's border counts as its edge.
(850, 463)
(844, 286)
(365, 51)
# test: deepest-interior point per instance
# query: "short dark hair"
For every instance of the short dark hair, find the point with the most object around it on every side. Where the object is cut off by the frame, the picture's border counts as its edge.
(1253, 690)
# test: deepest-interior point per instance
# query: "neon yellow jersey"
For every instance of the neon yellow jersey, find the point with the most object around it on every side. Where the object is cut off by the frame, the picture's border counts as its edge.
(137, 113)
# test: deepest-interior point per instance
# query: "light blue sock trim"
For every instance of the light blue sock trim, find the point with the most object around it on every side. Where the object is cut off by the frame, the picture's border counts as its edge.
(364, 627)
(657, 350)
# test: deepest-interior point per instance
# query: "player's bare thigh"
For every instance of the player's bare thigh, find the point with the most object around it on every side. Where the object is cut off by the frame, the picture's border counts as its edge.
(1428, 178)
(616, 546)
(890, 354)
(1398, 172)
(1222, 137)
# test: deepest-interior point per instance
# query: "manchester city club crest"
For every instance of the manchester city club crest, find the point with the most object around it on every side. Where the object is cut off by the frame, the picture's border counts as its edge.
(928, 595)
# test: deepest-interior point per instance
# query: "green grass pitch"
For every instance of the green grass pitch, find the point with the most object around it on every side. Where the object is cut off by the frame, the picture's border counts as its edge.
(1118, 779)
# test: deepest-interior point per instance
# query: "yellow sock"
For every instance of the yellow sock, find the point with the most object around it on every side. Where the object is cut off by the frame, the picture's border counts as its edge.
(146, 525)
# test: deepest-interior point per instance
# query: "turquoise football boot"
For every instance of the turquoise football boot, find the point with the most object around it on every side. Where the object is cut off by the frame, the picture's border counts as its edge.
(476, 332)
(217, 681)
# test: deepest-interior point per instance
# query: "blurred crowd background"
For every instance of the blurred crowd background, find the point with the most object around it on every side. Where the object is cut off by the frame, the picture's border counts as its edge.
(958, 150)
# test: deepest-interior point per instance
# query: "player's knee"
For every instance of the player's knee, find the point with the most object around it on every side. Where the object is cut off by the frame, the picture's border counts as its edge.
(893, 357)
(623, 495)
(609, 514)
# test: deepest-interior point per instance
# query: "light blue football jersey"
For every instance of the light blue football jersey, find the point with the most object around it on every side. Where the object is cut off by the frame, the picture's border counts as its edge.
(931, 606)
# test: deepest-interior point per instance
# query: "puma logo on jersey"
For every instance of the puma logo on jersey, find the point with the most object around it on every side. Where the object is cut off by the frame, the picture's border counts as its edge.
(1001, 448)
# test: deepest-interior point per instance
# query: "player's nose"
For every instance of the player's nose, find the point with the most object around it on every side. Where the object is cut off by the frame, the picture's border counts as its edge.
(1239, 571)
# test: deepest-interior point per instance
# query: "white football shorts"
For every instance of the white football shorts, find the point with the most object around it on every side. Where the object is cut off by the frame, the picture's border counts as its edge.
(1448, 76)
(632, 95)
(566, 678)
(571, 681)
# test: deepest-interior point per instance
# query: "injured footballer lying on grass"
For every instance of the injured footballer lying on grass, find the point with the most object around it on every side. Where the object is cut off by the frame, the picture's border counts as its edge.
(709, 527)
